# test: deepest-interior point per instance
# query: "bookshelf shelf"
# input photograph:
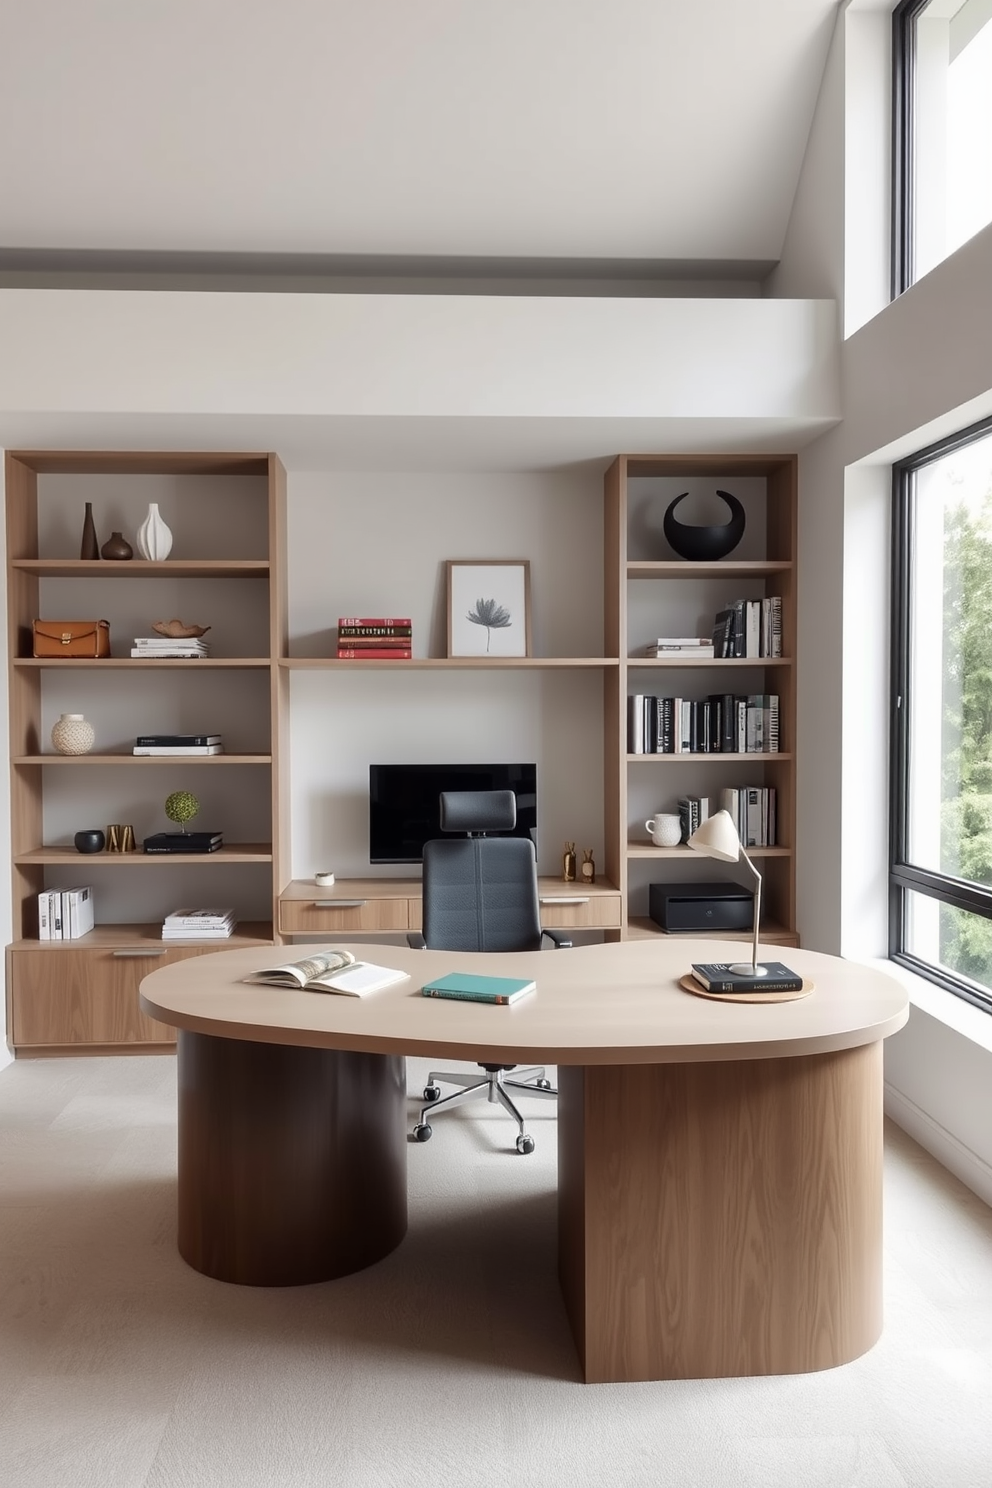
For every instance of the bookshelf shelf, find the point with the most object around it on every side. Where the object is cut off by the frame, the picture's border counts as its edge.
(138, 663)
(783, 757)
(140, 568)
(142, 761)
(708, 663)
(234, 852)
(648, 850)
(448, 663)
(772, 933)
(123, 939)
(681, 569)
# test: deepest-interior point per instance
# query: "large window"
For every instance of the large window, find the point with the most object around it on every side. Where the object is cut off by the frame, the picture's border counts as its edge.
(941, 860)
(942, 143)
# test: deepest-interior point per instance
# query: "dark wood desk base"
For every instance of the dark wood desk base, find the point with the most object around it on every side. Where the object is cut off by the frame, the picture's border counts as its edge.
(723, 1219)
(292, 1161)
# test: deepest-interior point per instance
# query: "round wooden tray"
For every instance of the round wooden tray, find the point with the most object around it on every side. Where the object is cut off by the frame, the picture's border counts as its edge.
(689, 984)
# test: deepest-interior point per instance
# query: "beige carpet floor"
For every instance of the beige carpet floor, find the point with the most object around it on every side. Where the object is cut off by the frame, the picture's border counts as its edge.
(450, 1361)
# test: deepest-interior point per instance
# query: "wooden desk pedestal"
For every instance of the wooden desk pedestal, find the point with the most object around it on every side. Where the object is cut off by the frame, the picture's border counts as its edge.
(721, 1219)
(292, 1161)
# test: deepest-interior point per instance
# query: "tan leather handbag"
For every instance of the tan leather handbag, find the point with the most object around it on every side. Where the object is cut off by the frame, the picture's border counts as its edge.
(57, 638)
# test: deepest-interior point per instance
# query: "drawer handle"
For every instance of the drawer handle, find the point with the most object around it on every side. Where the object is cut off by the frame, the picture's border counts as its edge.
(339, 904)
(136, 955)
(566, 899)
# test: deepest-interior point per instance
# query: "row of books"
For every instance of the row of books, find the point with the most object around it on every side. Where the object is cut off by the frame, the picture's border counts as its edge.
(370, 637)
(722, 723)
(190, 923)
(168, 745)
(751, 807)
(65, 914)
(164, 646)
(749, 628)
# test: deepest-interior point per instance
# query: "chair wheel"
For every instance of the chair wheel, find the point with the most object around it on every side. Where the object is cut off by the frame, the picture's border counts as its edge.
(543, 1084)
(432, 1092)
(524, 1145)
(422, 1131)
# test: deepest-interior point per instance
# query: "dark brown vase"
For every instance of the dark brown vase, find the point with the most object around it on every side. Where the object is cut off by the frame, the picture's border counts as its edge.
(90, 546)
(117, 546)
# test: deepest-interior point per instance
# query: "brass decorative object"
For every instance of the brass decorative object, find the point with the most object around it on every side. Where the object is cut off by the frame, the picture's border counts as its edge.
(175, 630)
(120, 838)
(568, 863)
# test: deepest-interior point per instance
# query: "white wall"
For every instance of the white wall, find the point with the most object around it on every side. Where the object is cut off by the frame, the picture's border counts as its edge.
(376, 544)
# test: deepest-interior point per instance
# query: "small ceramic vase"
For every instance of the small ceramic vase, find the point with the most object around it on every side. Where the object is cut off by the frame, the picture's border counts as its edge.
(90, 545)
(117, 546)
(154, 537)
(72, 734)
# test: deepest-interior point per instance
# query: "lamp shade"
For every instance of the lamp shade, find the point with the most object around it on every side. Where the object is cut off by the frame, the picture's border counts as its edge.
(717, 838)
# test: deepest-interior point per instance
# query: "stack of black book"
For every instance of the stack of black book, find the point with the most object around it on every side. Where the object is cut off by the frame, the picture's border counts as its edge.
(183, 842)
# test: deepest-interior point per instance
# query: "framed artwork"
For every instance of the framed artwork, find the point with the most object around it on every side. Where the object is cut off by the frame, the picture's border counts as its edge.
(489, 607)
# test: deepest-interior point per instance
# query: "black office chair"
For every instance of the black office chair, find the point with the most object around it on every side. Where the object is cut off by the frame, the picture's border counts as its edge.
(480, 894)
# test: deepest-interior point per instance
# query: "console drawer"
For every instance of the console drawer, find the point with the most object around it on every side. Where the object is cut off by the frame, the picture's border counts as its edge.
(578, 911)
(333, 916)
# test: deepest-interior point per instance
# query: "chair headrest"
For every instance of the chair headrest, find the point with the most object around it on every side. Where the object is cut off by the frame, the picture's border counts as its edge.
(478, 811)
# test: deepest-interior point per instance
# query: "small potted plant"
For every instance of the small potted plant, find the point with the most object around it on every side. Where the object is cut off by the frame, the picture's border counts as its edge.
(181, 807)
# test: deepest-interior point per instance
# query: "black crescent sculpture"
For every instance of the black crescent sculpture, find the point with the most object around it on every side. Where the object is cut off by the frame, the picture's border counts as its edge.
(705, 544)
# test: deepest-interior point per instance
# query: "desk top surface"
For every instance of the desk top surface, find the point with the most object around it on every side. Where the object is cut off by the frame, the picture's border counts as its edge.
(600, 1004)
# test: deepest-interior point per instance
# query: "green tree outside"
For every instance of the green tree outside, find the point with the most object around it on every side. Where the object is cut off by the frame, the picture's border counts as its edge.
(966, 783)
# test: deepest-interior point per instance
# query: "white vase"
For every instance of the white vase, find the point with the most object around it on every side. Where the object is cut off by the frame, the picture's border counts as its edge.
(154, 537)
(72, 734)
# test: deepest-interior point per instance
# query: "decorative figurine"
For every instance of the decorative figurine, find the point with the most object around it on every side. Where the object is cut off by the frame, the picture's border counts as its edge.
(568, 863)
(588, 866)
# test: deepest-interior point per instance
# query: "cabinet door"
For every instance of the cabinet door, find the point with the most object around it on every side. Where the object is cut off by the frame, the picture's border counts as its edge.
(73, 998)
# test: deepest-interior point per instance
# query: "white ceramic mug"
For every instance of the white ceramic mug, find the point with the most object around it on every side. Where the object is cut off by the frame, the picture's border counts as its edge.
(665, 829)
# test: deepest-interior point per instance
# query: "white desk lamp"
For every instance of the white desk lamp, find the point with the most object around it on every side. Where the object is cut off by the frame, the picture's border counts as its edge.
(717, 837)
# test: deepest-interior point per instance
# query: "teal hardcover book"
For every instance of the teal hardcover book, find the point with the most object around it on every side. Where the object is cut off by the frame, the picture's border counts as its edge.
(471, 988)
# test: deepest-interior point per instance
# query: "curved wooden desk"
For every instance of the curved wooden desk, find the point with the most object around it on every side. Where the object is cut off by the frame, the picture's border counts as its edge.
(720, 1165)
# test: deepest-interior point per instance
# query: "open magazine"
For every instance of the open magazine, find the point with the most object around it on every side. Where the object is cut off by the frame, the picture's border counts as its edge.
(329, 971)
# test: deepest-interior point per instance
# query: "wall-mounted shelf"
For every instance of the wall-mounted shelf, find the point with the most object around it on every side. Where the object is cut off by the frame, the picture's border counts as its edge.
(448, 663)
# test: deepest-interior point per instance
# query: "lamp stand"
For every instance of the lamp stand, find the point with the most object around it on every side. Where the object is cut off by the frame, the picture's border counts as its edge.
(745, 968)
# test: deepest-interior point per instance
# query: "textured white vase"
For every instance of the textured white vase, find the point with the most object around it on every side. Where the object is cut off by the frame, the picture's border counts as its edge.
(154, 537)
(72, 734)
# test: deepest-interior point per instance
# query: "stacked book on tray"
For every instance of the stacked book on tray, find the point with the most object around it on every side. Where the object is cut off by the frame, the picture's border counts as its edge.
(168, 745)
(198, 924)
(367, 638)
(689, 648)
(166, 646)
(65, 914)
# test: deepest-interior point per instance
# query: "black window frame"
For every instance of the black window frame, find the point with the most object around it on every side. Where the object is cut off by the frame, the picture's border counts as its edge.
(906, 877)
(904, 19)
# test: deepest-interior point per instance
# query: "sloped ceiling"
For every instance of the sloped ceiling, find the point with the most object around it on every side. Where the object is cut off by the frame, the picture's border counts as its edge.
(635, 130)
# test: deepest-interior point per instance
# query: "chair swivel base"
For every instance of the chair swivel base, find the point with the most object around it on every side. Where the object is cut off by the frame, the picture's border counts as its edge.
(494, 1085)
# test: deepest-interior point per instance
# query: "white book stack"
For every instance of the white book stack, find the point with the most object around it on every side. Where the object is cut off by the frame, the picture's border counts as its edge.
(163, 646)
(65, 914)
(198, 924)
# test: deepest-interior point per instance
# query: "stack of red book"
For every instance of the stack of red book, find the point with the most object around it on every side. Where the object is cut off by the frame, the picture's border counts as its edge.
(366, 638)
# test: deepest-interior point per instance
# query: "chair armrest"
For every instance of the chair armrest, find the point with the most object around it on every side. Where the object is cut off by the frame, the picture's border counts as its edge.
(558, 940)
(416, 941)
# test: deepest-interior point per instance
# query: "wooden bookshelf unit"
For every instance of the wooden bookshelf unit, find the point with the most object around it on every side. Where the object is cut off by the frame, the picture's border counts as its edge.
(228, 569)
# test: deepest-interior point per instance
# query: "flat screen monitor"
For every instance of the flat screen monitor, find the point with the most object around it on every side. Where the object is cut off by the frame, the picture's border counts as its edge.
(405, 811)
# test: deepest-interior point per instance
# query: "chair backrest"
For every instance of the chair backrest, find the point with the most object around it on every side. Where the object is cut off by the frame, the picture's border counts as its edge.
(480, 893)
